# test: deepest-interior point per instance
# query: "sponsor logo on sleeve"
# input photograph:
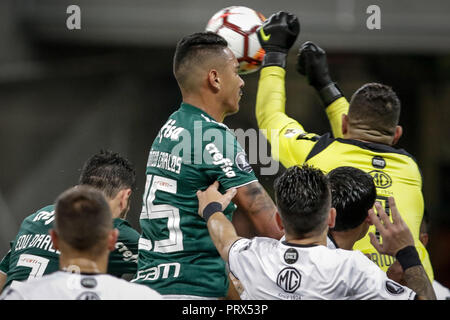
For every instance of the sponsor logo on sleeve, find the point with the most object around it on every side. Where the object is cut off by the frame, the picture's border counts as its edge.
(394, 288)
(219, 160)
(289, 133)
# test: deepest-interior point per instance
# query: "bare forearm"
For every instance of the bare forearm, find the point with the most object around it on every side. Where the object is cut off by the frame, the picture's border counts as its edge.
(2, 280)
(417, 280)
(260, 210)
(222, 233)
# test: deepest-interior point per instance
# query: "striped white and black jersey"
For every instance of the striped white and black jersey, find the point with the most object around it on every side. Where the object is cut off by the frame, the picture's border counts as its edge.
(271, 269)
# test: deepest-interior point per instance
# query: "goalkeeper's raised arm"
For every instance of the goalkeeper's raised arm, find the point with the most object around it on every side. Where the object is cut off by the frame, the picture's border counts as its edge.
(290, 142)
(312, 63)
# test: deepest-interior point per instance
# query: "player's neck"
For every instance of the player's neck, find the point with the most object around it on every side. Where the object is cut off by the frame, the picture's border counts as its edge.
(344, 239)
(116, 212)
(207, 105)
(370, 136)
(308, 240)
(83, 265)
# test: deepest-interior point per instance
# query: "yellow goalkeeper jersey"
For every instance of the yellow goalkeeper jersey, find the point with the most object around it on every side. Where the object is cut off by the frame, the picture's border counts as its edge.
(395, 171)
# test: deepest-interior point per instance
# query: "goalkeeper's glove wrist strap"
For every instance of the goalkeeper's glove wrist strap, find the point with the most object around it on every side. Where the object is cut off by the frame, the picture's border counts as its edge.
(274, 58)
(330, 93)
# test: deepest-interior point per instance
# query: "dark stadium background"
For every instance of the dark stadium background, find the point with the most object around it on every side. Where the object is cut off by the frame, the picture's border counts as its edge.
(65, 94)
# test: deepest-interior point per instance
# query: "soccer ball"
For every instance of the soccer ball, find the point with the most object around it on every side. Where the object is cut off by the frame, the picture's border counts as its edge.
(238, 26)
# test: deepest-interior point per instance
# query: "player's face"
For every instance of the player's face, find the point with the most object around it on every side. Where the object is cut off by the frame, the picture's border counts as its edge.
(232, 83)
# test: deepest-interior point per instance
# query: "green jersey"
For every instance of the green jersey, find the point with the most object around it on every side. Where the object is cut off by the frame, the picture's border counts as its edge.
(176, 253)
(123, 260)
(32, 254)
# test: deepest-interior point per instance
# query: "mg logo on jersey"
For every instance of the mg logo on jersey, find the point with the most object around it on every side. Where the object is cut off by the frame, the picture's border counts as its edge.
(289, 279)
(381, 179)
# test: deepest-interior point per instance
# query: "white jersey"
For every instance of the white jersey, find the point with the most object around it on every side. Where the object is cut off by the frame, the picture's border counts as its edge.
(270, 269)
(442, 293)
(71, 286)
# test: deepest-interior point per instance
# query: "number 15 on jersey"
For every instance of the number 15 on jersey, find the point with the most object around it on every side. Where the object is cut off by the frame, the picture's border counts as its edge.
(161, 211)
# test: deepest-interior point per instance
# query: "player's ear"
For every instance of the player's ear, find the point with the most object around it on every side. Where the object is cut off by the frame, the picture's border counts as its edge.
(344, 124)
(54, 237)
(423, 237)
(368, 221)
(397, 135)
(124, 196)
(112, 239)
(279, 221)
(214, 80)
(332, 218)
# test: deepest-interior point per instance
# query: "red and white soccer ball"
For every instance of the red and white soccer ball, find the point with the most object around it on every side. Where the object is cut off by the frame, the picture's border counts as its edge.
(238, 26)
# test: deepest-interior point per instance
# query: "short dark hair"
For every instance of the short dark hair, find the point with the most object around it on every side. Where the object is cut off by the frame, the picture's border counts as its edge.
(194, 49)
(83, 219)
(109, 172)
(303, 199)
(376, 106)
(353, 193)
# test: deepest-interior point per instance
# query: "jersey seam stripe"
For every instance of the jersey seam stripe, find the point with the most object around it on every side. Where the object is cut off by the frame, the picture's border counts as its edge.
(244, 184)
(229, 249)
(376, 147)
(320, 145)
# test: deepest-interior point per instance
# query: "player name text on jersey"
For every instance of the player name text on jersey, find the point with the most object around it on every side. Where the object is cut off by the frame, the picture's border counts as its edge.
(164, 160)
(41, 241)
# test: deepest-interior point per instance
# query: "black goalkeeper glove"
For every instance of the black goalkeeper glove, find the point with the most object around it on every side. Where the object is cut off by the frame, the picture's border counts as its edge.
(276, 36)
(312, 63)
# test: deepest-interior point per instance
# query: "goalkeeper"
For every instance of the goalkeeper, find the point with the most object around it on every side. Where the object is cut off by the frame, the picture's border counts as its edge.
(365, 131)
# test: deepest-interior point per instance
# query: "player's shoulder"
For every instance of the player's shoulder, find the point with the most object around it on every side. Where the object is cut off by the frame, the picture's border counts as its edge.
(442, 293)
(33, 287)
(196, 114)
(258, 244)
(45, 215)
(353, 255)
(131, 291)
(354, 260)
(124, 227)
(50, 209)
(378, 148)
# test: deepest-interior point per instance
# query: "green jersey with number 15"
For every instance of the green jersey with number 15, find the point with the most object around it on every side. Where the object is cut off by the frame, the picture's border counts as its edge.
(176, 253)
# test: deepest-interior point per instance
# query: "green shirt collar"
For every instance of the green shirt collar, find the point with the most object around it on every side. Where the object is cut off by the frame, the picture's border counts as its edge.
(192, 109)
